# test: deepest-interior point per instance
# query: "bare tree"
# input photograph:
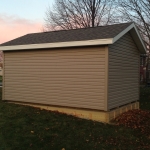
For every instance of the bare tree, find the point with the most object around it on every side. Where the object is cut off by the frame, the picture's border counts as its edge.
(72, 14)
(137, 11)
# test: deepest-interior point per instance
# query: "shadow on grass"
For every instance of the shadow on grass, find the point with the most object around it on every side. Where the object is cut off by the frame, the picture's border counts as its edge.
(27, 128)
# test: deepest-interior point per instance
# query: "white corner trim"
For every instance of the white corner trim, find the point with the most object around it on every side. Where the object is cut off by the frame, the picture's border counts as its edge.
(58, 44)
(132, 26)
(123, 32)
(142, 42)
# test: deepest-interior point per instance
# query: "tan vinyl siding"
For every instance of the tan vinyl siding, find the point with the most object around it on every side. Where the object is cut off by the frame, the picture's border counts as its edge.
(123, 85)
(71, 77)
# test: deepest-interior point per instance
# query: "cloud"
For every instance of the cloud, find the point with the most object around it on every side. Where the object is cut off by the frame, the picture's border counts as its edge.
(13, 26)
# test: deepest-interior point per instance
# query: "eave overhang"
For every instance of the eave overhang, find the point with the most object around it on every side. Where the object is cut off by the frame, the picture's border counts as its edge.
(131, 29)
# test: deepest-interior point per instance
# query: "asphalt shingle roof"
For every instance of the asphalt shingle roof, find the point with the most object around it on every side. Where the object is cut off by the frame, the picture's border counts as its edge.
(101, 32)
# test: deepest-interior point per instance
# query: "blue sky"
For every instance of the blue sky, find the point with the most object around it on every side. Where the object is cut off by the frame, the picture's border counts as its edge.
(29, 9)
(19, 17)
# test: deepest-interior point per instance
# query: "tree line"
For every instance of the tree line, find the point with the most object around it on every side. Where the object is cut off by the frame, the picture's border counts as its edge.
(73, 14)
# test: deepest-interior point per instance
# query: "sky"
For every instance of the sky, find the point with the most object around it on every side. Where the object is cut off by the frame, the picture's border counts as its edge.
(20, 17)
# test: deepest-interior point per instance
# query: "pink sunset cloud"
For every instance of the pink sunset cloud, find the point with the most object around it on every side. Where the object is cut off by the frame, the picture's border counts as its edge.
(12, 27)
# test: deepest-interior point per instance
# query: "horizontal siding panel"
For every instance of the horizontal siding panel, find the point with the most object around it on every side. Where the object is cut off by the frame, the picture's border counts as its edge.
(127, 91)
(62, 52)
(53, 101)
(134, 62)
(56, 60)
(125, 42)
(124, 79)
(58, 83)
(126, 99)
(55, 80)
(69, 84)
(123, 85)
(74, 104)
(84, 63)
(123, 59)
(75, 67)
(124, 75)
(36, 55)
(53, 60)
(59, 86)
(54, 95)
(127, 96)
(72, 77)
(125, 67)
(124, 54)
(65, 92)
(122, 47)
(94, 89)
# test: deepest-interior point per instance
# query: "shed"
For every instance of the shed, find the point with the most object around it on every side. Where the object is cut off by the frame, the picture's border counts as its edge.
(92, 73)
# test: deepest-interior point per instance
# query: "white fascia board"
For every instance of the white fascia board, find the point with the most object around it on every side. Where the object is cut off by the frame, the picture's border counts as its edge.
(116, 38)
(136, 37)
(57, 45)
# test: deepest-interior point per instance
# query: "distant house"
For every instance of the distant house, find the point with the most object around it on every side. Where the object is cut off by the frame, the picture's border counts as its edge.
(92, 73)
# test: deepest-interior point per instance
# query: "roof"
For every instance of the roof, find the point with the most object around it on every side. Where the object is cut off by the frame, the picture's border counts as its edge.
(101, 32)
(100, 35)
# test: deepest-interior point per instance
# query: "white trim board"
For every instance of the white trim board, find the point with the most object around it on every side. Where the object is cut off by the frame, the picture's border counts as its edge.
(57, 45)
(132, 29)
(135, 35)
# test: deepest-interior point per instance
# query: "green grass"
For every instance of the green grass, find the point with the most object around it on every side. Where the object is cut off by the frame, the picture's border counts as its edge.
(27, 128)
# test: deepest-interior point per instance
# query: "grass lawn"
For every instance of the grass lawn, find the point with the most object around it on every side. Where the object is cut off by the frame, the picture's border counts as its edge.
(27, 128)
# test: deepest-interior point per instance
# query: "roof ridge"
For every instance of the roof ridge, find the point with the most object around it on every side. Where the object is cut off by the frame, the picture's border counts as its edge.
(79, 28)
